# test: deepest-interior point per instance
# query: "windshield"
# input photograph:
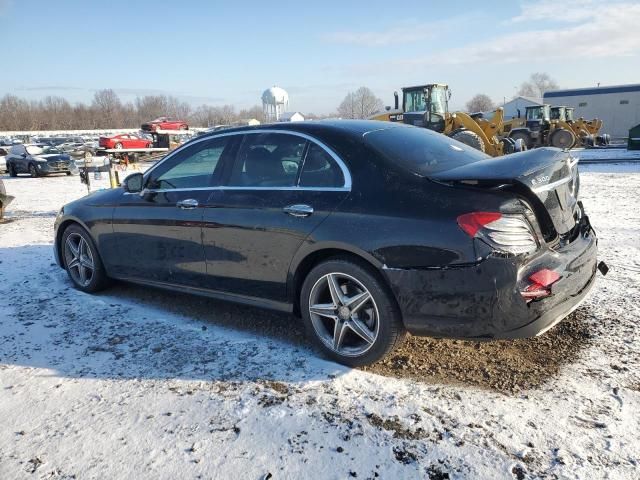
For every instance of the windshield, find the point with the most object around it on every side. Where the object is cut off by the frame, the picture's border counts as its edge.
(420, 150)
(42, 150)
(558, 113)
(534, 113)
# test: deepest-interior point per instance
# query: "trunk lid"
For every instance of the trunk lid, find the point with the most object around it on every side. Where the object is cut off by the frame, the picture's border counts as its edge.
(546, 176)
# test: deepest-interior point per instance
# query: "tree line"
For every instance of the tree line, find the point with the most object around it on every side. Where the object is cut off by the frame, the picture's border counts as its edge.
(106, 110)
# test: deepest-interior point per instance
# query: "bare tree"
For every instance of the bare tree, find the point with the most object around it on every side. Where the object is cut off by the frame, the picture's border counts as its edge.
(537, 84)
(360, 104)
(108, 104)
(480, 103)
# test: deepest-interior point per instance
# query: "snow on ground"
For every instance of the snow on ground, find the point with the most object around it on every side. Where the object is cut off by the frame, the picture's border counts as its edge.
(137, 383)
(608, 154)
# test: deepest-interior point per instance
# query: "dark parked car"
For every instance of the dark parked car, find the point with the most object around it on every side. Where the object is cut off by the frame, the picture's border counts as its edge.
(38, 160)
(365, 230)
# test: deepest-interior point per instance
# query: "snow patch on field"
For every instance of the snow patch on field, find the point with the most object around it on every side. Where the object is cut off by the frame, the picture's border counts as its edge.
(133, 384)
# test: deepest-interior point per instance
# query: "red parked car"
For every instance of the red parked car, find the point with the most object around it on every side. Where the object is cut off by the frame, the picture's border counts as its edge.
(125, 140)
(164, 123)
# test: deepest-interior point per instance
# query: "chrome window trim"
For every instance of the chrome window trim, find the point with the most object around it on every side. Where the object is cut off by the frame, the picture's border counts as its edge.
(345, 171)
(291, 189)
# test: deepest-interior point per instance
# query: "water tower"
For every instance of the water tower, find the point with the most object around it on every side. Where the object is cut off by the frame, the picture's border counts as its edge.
(275, 101)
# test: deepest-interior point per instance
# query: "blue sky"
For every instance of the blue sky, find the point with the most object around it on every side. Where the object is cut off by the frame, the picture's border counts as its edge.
(229, 52)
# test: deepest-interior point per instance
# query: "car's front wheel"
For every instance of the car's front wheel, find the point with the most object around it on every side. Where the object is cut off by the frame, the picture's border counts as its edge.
(33, 171)
(349, 312)
(82, 260)
(12, 170)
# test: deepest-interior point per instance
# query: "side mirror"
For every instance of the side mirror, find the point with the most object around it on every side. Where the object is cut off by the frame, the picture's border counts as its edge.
(23, 155)
(133, 183)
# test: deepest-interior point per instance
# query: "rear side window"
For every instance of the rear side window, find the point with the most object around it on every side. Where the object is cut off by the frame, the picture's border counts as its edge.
(420, 150)
(268, 160)
(320, 170)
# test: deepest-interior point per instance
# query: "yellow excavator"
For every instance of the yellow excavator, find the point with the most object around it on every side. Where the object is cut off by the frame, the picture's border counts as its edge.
(428, 106)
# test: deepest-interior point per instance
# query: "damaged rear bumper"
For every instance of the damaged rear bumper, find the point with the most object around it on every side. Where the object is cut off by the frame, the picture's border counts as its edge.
(483, 300)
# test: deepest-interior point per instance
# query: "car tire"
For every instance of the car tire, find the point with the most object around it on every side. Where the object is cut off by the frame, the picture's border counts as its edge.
(184, 127)
(79, 254)
(33, 171)
(118, 146)
(12, 170)
(359, 327)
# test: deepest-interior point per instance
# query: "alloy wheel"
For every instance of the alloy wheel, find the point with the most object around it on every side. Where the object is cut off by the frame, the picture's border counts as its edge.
(344, 314)
(79, 259)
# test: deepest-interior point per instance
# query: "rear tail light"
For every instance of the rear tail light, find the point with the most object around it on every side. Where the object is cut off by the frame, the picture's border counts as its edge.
(540, 285)
(505, 233)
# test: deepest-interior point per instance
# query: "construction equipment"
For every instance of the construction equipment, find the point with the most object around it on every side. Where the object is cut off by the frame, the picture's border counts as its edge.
(546, 125)
(586, 131)
(428, 106)
(539, 129)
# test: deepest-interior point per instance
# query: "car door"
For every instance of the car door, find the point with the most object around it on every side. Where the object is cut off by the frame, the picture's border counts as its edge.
(256, 222)
(159, 230)
(19, 158)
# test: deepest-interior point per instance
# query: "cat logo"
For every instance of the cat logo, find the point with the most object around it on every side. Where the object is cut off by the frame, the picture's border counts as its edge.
(396, 117)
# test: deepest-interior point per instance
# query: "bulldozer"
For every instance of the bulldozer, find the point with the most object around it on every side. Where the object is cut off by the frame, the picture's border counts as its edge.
(539, 128)
(428, 106)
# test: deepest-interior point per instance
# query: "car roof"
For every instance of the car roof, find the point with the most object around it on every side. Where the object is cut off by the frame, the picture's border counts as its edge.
(351, 127)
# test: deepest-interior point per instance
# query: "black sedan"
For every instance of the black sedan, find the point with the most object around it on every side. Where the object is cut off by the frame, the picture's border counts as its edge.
(366, 230)
(38, 160)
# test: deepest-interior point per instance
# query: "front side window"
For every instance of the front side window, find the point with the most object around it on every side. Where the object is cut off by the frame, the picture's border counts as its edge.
(195, 167)
(320, 170)
(268, 160)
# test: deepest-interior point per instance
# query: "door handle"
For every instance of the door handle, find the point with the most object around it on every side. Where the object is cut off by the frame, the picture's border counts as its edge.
(298, 210)
(187, 204)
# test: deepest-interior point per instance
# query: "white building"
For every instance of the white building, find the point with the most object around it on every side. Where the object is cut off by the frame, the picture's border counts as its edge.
(618, 106)
(520, 103)
(291, 117)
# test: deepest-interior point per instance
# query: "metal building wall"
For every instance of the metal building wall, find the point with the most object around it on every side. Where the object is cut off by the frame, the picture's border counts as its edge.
(606, 103)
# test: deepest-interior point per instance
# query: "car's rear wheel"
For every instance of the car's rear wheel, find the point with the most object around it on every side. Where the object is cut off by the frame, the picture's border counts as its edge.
(349, 313)
(33, 171)
(82, 260)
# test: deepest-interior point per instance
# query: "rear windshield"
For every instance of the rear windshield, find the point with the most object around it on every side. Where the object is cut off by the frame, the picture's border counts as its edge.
(420, 150)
